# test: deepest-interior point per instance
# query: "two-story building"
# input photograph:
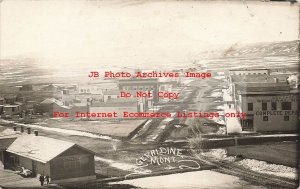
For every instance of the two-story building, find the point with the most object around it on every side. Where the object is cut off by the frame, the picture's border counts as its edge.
(268, 107)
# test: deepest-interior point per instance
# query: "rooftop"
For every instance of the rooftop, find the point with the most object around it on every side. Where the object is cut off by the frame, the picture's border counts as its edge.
(54, 101)
(137, 80)
(51, 101)
(248, 69)
(269, 92)
(8, 133)
(111, 92)
(39, 148)
(117, 102)
(262, 87)
(259, 78)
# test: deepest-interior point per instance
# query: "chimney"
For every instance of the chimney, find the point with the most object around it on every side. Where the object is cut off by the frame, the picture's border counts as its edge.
(36, 133)
(22, 129)
(28, 130)
(15, 128)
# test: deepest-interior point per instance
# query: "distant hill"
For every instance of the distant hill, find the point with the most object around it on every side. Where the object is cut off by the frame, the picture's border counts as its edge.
(289, 48)
(275, 55)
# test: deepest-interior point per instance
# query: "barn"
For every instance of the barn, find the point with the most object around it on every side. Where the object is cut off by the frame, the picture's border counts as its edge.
(61, 160)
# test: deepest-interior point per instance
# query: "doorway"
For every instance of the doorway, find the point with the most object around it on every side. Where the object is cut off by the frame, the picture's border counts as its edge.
(248, 125)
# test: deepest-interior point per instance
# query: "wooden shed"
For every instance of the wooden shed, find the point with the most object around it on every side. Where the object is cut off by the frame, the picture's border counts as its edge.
(58, 159)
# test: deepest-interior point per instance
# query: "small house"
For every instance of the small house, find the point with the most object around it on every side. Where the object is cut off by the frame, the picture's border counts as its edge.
(51, 105)
(12, 109)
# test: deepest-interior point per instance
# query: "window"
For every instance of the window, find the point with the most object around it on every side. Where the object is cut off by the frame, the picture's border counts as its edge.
(286, 105)
(273, 106)
(286, 118)
(12, 109)
(250, 106)
(265, 118)
(264, 106)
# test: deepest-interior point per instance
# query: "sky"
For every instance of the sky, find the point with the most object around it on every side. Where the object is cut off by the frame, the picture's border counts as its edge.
(128, 32)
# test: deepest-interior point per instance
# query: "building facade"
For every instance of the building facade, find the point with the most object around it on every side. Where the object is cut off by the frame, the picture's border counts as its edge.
(144, 85)
(270, 110)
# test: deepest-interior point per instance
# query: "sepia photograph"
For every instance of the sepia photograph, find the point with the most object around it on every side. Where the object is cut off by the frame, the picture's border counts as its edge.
(149, 94)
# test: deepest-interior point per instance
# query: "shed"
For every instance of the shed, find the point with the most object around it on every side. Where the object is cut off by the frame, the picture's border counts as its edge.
(56, 158)
(51, 105)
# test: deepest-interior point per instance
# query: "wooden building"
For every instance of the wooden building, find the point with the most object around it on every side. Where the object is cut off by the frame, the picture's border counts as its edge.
(58, 159)
(12, 109)
(7, 137)
(51, 105)
(134, 84)
(270, 110)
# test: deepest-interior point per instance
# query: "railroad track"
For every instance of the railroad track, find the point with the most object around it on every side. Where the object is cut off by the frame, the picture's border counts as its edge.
(269, 181)
(158, 129)
(221, 166)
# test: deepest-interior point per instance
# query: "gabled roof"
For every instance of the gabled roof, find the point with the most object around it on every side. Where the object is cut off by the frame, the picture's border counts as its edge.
(54, 101)
(39, 148)
(51, 101)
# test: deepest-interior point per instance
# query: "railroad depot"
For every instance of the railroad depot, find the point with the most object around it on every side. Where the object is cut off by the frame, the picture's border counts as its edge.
(60, 160)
